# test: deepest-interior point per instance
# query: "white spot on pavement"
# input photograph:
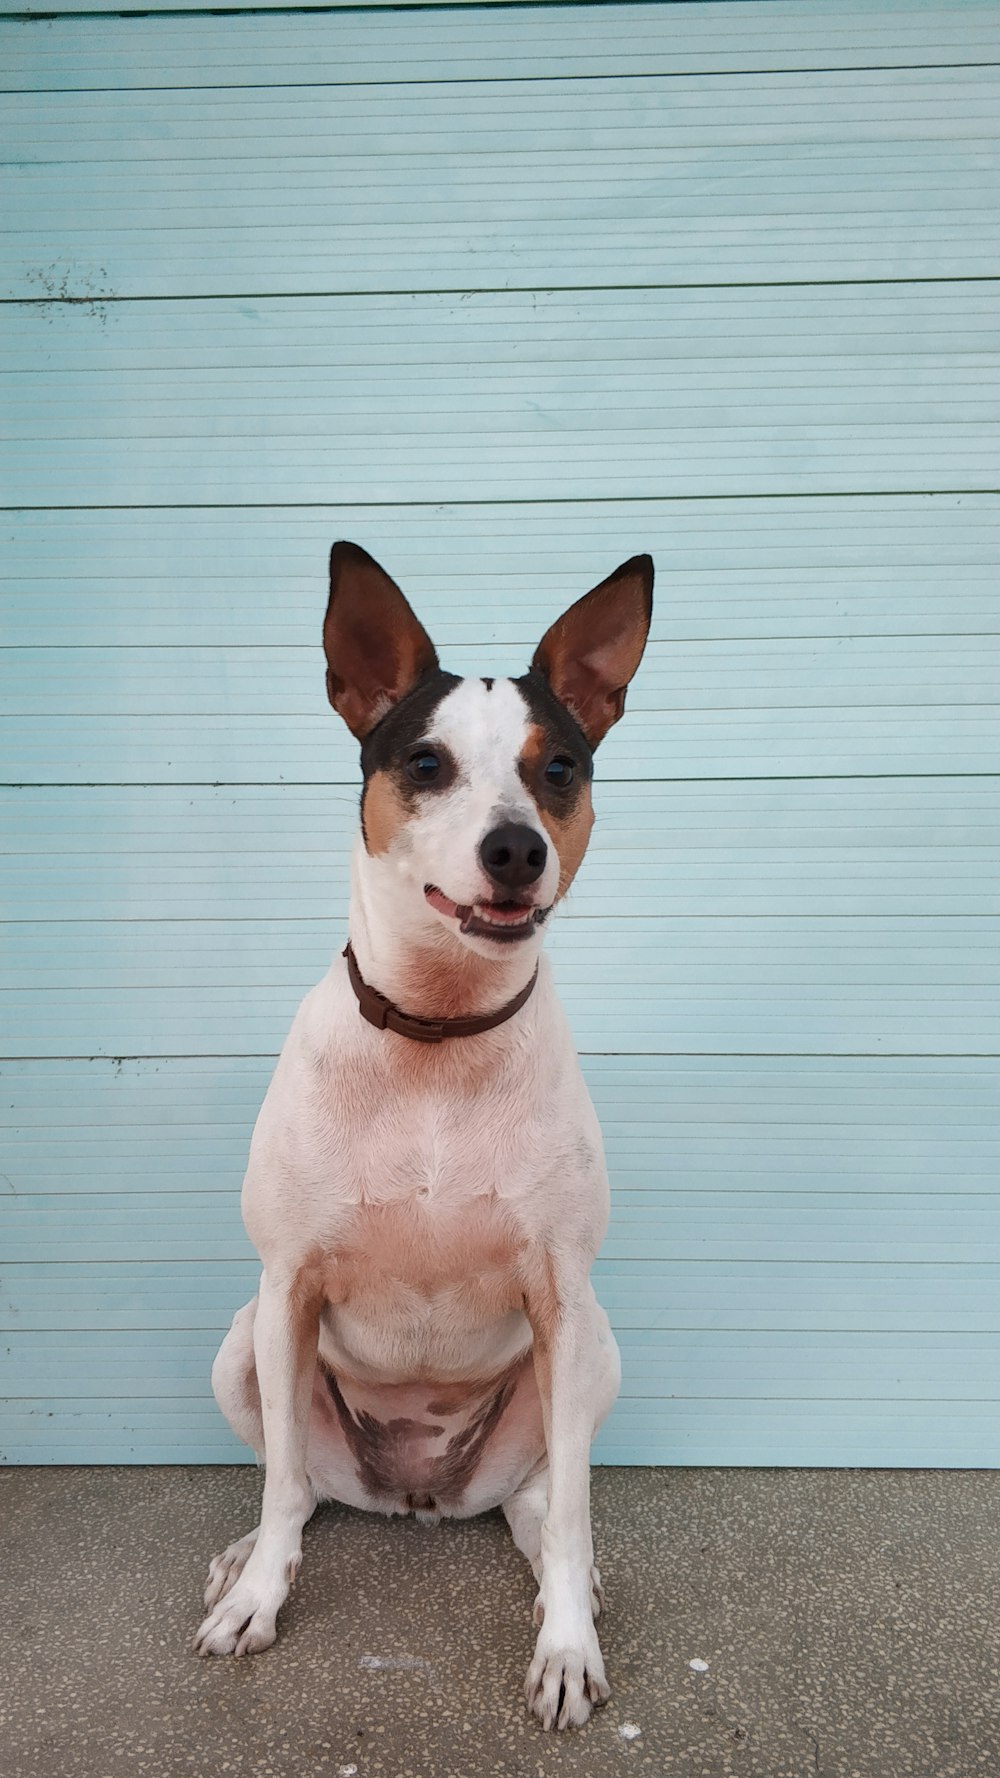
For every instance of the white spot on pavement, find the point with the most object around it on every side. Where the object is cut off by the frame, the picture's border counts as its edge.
(400, 1664)
(629, 1731)
(347, 1771)
(697, 1666)
(394, 1663)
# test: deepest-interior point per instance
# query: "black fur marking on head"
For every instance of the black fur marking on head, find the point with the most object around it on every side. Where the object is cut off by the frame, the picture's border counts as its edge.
(390, 741)
(549, 714)
(488, 684)
(564, 739)
(389, 745)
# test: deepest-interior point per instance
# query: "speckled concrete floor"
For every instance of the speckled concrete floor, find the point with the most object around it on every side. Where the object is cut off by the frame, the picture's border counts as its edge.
(848, 1620)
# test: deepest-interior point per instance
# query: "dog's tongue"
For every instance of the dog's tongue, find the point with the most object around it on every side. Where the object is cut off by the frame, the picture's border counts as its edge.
(453, 909)
(515, 915)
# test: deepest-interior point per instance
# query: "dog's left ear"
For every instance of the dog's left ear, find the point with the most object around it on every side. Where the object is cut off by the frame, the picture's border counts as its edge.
(376, 649)
(592, 651)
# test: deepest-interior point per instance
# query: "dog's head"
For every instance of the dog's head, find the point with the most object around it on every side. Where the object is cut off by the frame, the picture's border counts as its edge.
(477, 791)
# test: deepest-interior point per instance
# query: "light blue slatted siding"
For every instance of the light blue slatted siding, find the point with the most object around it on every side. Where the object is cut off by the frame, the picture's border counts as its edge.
(507, 293)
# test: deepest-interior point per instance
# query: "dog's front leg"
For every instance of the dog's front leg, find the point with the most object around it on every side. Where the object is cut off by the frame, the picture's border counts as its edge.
(285, 1338)
(566, 1675)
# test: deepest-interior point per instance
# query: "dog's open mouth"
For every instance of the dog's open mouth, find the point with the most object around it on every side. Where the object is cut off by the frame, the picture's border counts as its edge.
(505, 921)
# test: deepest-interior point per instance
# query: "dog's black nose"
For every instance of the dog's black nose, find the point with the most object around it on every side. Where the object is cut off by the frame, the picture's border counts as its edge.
(513, 856)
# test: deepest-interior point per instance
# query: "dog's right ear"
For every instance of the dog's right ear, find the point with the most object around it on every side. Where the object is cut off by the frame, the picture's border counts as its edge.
(376, 650)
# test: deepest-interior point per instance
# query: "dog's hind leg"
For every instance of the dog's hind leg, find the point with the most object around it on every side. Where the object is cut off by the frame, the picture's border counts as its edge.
(234, 1380)
(525, 1513)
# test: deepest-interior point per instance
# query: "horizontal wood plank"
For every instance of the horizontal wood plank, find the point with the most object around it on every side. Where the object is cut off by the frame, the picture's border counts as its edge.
(590, 396)
(800, 1432)
(694, 1225)
(706, 741)
(825, 1126)
(702, 1363)
(896, 1300)
(869, 846)
(884, 565)
(418, 43)
(840, 985)
(494, 184)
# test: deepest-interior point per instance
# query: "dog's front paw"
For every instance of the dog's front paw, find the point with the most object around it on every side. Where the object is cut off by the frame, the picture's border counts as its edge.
(243, 1622)
(564, 1682)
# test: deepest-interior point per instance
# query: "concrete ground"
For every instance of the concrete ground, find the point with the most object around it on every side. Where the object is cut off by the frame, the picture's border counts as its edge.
(848, 1621)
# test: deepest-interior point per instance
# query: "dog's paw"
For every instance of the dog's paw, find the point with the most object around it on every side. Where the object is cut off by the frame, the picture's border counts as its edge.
(225, 1570)
(243, 1622)
(538, 1613)
(564, 1683)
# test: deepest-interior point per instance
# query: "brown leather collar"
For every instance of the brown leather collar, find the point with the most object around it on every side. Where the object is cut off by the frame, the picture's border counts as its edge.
(380, 1012)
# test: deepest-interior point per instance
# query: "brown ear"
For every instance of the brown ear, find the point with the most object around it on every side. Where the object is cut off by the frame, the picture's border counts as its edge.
(591, 652)
(375, 648)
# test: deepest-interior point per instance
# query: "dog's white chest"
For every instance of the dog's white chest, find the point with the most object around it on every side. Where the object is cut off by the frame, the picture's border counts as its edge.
(431, 1173)
(369, 1119)
(428, 1152)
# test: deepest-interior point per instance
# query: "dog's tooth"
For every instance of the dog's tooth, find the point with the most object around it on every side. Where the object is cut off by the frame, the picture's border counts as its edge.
(487, 915)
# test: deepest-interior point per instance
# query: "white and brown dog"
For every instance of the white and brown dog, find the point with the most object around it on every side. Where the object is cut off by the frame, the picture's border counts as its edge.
(426, 1187)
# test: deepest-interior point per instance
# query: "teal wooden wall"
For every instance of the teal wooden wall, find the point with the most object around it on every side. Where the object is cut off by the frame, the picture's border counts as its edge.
(508, 293)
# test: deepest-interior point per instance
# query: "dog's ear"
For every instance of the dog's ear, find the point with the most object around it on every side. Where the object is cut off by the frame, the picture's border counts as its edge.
(591, 652)
(375, 649)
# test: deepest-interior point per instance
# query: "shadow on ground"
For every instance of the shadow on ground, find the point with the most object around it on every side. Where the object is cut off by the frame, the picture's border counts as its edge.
(847, 1618)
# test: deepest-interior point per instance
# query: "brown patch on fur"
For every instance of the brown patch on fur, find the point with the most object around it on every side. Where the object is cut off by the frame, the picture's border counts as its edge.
(444, 1409)
(569, 822)
(383, 812)
(454, 1398)
(389, 1465)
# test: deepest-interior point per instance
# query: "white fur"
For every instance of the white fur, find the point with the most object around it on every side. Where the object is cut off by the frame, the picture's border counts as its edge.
(425, 1220)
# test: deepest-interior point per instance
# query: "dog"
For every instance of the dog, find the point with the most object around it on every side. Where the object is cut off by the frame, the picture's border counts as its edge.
(426, 1185)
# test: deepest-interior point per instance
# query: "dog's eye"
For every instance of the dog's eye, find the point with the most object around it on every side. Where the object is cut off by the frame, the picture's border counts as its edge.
(559, 773)
(423, 767)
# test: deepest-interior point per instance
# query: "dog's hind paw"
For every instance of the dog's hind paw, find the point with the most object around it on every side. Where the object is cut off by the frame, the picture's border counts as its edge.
(225, 1570)
(564, 1684)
